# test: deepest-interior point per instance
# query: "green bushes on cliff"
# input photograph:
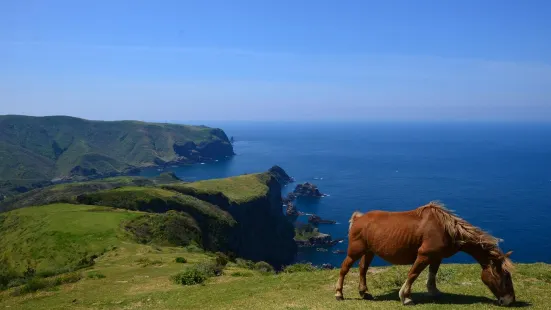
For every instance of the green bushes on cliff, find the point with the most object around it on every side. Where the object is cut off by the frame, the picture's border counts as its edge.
(170, 228)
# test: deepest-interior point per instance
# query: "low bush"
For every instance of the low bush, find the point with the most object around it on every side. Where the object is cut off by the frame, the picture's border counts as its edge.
(222, 259)
(35, 284)
(190, 276)
(194, 248)
(95, 275)
(242, 263)
(211, 269)
(198, 273)
(306, 267)
(180, 260)
(144, 262)
(263, 267)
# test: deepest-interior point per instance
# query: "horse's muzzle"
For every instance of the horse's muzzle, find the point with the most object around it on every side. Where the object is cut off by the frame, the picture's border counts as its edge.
(506, 300)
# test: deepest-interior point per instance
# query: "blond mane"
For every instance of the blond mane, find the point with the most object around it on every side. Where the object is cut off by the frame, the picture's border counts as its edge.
(463, 232)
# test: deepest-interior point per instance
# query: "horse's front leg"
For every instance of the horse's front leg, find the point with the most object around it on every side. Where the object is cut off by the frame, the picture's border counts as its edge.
(431, 280)
(364, 265)
(405, 292)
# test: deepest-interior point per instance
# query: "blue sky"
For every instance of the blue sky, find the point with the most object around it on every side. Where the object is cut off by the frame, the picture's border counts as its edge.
(277, 60)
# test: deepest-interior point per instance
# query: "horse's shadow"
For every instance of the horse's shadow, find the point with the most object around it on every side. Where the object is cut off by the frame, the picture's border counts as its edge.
(444, 299)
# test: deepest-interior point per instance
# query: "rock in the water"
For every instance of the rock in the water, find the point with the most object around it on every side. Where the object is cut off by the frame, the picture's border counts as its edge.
(281, 176)
(289, 198)
(319, 239)
(314, 219)
(292, 210)
(307, 190)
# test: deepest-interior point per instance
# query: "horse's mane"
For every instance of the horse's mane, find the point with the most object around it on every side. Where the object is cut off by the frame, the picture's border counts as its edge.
(463, 232)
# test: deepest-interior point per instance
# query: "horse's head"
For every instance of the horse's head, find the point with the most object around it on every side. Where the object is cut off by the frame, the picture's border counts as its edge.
(497, 277)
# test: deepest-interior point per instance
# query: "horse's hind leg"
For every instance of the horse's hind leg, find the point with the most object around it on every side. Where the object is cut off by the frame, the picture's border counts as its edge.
(405, 292)
(355, 251)
(364, 265)
(431, 280)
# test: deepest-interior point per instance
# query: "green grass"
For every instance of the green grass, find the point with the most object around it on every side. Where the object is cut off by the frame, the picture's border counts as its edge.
(140, 276)
(127, 285)
(57, 236)
(239, 189)
(154, 199)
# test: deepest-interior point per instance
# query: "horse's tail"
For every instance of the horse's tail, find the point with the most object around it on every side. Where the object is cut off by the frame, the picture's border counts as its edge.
(354, 216)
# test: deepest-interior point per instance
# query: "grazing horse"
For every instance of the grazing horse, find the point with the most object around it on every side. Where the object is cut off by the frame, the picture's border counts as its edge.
(423, 237)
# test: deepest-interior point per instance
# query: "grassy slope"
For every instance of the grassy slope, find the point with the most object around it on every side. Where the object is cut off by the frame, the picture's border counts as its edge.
(239, 189)
(34, 149)
(153, 199)
(66, 192)
(56, 234)
(129, 285)
(59, 235)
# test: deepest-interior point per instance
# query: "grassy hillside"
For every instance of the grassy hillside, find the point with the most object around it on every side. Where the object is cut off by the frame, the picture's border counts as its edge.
(239, 189)
(130, 272)
(67, 192)
(34, 150)
(138, 277)
(58, 236)
(241, 215)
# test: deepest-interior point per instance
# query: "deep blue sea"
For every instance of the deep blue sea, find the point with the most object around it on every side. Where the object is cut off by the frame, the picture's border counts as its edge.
(496, 176)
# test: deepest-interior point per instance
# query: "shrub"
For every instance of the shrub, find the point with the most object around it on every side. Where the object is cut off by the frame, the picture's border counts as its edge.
(198, 273)
(66, 278)
(190, 276)
(222, 259)
(144, 262)
(306, 267)
(32, 285)
(194, 248)
(7, 276)
(211, 269)
(247, 264)
(264, 267)
(95, 275)
(180, 260)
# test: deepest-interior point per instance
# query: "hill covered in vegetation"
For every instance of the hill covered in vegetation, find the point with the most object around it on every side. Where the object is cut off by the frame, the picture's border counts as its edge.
(37, 150)
(240, 215)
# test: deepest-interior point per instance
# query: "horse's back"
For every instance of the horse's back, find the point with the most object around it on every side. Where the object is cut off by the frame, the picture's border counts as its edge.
(393, 236)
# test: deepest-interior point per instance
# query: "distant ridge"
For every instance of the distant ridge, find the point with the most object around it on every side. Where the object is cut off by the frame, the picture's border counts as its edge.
(37, 150)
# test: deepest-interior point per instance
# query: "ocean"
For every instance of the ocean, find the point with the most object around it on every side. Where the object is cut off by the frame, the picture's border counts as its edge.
(495, 175)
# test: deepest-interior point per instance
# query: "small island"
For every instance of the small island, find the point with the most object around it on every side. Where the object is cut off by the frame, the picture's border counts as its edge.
(307, 190)
(291, 210)
(307, 235)
(315, 220)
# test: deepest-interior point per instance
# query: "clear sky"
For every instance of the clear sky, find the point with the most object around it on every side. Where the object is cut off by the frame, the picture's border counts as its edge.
(277, 60)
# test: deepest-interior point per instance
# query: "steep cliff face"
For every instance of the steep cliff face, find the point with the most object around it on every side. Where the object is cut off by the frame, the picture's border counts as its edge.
(262, 232)
(265, 234)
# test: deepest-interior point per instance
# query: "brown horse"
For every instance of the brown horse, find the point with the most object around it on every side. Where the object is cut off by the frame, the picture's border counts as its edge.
(423, 237)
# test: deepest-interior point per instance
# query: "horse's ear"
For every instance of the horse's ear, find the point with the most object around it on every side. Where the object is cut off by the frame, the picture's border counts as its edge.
(508, 254)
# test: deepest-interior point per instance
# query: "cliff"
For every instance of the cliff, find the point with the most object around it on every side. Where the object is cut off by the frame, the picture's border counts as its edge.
(37, 150)
(262, 232)
(242, 214)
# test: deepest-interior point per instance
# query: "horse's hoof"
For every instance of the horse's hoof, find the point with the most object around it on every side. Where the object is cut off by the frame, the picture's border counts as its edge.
(366, 296)
(339, 298)
(408, 302)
